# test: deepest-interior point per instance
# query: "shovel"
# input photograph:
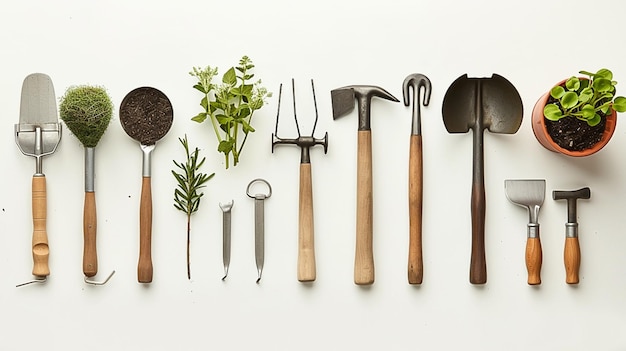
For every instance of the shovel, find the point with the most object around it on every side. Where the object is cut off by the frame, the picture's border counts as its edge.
(38, 135)
(529, 193)
(477, 104)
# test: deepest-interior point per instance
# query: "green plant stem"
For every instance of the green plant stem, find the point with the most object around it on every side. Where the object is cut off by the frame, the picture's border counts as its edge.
(188, 245)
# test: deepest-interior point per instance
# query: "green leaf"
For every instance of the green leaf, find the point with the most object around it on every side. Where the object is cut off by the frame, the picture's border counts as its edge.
(569, 100)
(604, 73)
(247, 90)
(204, 103)
(588, 111)
(619, 104)
(246, 127)
(230, 77)
(585, 95)
(200, 88)
(201, 117)
(225, 146)
(572, 84)
(595, 120)
(222, 119)
(602, 84)
(552, 112)
(557, 92)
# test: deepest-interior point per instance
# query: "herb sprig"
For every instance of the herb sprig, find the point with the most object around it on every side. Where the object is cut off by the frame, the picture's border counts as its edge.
(190, 181)
(230, 105)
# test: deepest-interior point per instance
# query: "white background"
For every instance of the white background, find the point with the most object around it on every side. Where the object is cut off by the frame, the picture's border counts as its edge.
(123, 45)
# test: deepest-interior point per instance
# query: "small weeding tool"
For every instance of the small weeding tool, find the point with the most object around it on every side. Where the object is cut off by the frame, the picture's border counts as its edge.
(572, 247)
(259, 224)
(226, 211)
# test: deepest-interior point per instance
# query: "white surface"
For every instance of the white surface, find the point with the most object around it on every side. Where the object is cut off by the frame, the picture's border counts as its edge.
(123, 45)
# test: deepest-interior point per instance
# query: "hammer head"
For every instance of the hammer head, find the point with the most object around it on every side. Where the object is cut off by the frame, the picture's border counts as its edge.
(343, 101)
(584, 193)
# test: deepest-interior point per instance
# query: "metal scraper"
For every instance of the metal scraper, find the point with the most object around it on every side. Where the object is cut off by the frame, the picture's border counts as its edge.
(38, 135)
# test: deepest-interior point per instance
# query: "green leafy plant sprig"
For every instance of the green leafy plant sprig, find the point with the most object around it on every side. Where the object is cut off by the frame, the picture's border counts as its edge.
(187, 195)
(585, 98)
(230, 105)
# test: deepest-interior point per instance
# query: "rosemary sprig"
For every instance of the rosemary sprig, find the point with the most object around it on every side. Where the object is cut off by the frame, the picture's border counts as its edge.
(190, 181)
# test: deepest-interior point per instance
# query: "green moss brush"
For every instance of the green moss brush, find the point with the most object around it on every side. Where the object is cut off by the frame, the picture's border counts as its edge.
(87, 111)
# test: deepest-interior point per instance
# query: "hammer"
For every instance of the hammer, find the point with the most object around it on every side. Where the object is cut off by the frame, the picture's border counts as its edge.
(572, 247)
(343, 103)
(306, 247)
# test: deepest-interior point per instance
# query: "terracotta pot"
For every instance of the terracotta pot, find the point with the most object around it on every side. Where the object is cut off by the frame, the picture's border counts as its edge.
(541, 133)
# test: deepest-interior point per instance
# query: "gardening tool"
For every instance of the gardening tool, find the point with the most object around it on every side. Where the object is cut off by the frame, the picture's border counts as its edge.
(477, 104)
(87, 112)
(306, 246)
(572, 247)
(259, 223)
(416, 82)
(226, 210)
(146, 115)
(529, 193)
(343, 103)
(38, 134)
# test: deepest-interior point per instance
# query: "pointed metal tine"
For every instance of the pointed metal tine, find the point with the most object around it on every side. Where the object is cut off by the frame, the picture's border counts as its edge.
(293, 95)
(34, 281)
(280, 93)
(314, 104)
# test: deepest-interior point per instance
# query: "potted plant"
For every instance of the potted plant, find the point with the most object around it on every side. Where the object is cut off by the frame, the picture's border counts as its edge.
(577, 117)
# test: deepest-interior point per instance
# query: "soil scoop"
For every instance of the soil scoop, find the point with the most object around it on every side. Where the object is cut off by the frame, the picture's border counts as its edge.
(477, 104)
(146, 115)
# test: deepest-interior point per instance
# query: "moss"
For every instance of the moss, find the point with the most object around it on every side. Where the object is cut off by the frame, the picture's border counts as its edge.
(87, 111)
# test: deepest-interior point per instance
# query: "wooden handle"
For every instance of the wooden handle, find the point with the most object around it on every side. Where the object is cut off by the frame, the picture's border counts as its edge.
(416, 268)
(364, 258)
(40, 248)
(144, 268)
(534, 258)
(90, 257)
(478, 264)
(306, 246)
(572, 260)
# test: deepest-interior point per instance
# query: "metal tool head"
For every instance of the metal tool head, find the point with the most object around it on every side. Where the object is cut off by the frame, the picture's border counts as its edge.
(38, 132)
(528, 193)
(146, 115)
(343, 101)
(482, 103)
(417, 82)
(571, 197)
(304, 142)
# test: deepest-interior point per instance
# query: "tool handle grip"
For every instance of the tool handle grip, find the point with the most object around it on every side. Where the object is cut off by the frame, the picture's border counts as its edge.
(478, 263)
(306, 244)
(364, 258)
(572, 260)
(90, 257)
(415, 267)
(534, 257)
(40, 248)
(144, 268)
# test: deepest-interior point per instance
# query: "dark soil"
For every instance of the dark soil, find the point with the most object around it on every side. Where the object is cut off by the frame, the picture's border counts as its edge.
(573, 134)
(146, 115)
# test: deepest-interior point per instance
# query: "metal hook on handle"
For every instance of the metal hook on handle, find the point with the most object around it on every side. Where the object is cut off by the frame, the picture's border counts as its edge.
(93, 282)
(418, 82)
(34, 281)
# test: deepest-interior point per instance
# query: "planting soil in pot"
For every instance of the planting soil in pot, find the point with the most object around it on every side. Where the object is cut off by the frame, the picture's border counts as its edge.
(573, 134)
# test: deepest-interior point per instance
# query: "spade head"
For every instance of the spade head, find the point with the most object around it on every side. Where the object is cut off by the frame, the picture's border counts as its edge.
(482, 103)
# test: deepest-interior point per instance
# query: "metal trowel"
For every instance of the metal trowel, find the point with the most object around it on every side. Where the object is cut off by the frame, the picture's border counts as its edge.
(38, 135)
(529, 193)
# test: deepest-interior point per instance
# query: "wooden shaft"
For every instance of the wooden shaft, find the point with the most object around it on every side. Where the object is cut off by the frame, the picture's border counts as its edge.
(40, 248)
(364, 258)
(534, 258)
(144, 268)
(306, 244)
(478, 263)
(572, 260)
(90, 256)
(415, 267)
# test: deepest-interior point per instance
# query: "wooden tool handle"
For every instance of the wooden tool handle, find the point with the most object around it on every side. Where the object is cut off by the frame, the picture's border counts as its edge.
(572, 260)
(364, 258)
(144, 268)
(90, 256)
(478, 264)
(415, 269)
(306, 246)
(40, 248)
(534, 258)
